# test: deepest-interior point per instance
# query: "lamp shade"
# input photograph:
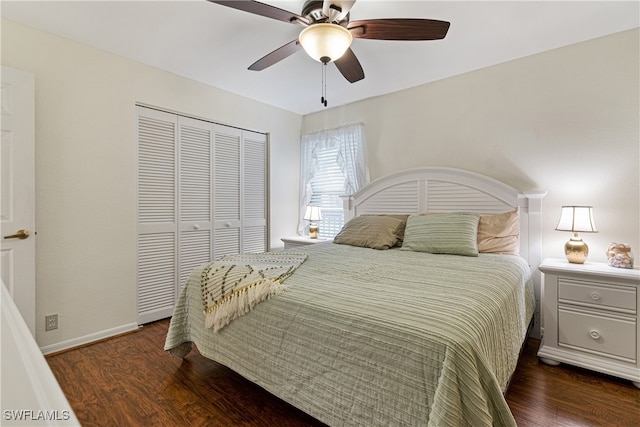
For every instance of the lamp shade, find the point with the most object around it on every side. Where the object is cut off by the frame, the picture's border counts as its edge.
(313, 213)
(577, 219)
(325, 42)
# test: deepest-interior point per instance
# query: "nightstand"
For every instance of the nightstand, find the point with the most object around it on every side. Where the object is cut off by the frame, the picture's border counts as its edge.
(590, 317)
(293, 241)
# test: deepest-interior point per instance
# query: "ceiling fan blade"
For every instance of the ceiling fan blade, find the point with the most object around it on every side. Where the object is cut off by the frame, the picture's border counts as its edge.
(263, 9)
(276, 56)
(399, 29)
(350, 67)
(344, 6)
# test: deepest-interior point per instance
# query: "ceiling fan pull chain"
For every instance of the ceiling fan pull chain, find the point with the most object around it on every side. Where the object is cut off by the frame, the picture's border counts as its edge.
(322, 87)
(323, 100)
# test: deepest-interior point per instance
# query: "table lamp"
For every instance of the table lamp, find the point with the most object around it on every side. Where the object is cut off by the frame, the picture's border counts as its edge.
(576, 219)
(313, 214)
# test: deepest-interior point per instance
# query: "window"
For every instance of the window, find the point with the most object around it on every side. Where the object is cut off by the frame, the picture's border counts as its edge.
(332, 165)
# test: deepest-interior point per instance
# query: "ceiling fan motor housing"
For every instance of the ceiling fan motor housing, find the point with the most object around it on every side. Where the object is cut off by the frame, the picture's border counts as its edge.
(312, 10)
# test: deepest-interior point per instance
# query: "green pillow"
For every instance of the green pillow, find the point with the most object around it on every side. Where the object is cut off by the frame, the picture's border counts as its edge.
(454, 233)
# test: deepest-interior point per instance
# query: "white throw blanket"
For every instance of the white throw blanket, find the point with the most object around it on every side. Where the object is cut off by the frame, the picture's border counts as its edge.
(232, 286)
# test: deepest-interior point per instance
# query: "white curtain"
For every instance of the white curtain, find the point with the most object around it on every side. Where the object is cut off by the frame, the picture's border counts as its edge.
(333, 163)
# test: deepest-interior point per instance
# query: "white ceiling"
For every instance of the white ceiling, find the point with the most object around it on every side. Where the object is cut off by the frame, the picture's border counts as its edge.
(214, 44)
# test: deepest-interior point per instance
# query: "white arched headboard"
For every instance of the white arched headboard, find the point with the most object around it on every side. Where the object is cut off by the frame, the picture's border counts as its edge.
(441, 189)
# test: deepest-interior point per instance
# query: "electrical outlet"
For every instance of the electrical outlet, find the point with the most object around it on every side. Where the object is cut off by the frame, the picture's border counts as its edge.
(51, 322)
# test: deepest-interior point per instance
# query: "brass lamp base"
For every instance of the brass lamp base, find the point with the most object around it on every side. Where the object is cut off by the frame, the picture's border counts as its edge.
(576, 250)
(313, 230)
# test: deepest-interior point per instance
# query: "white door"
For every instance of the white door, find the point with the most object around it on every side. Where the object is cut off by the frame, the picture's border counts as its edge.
(157, 214)
(17, 181)
(226, 191)
(202, 194)
(195, 240)
(239, 191)
(254, 192)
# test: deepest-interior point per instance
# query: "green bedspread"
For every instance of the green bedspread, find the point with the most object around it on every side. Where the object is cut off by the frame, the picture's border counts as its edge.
(366, 337)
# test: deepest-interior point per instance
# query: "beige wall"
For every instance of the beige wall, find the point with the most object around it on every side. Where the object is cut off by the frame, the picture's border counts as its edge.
(566, 121)
(86, 171)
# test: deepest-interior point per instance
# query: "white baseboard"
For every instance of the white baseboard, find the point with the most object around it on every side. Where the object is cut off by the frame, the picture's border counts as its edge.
(88, 339)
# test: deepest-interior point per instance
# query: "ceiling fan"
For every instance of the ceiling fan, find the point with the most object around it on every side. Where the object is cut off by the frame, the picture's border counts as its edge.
(328, 32)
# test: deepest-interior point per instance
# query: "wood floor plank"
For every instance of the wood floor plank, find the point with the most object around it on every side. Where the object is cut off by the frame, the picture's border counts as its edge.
(130, 380)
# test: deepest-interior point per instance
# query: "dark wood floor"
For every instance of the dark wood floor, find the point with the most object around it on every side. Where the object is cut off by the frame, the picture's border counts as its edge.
(130, 381)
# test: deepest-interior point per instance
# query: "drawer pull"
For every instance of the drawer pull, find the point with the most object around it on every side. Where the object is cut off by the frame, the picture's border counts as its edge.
(594, 334)
(595, 296)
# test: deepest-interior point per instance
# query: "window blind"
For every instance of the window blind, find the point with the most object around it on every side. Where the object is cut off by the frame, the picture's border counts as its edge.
(333, 165)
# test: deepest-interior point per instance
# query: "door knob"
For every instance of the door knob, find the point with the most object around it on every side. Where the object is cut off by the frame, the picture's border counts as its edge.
(20, 234)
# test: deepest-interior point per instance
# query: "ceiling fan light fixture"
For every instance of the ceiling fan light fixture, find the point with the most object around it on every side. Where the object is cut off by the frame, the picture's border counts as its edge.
(325, 42)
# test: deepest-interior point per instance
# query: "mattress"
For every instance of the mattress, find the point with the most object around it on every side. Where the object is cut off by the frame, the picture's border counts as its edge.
(378, 337)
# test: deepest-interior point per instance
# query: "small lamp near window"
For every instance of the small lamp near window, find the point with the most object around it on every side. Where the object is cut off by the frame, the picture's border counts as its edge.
(576, 219)
(313, 214)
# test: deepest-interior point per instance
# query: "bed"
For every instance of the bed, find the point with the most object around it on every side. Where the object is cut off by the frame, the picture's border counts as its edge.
(400, 336)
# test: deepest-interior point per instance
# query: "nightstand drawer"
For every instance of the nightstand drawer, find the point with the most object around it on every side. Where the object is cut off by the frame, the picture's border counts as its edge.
(290, 245)
(597, 294)
(295, 241)
(607, 335)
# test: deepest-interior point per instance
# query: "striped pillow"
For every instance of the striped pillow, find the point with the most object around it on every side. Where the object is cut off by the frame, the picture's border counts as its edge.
(454, 233)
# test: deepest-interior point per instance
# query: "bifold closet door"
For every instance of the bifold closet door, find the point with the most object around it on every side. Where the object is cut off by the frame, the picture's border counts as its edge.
(195, 239)
(240, 191)
(254, 192)
(202, 194)
(157, 214)
(226, 190)
(174, 207)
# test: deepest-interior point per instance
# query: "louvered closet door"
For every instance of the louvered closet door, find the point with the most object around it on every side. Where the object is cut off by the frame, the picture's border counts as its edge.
(157, 214)
(254, 192)
(195, 138)
(226, 190)
(202, 194)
